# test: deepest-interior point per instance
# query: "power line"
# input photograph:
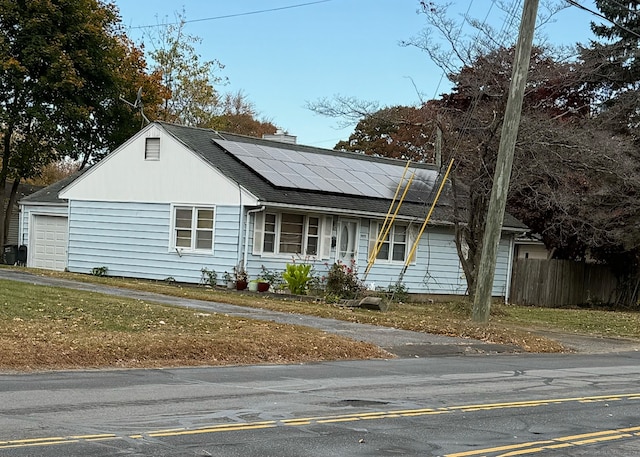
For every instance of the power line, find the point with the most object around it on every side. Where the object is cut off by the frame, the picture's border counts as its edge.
(595, 13)
(227, 16)
(456, 41)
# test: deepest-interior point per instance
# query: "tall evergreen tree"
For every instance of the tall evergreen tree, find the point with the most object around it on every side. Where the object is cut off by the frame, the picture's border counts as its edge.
(616, 62)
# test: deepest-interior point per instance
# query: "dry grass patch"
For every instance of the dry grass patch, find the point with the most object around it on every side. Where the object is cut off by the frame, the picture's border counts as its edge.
(54, 328)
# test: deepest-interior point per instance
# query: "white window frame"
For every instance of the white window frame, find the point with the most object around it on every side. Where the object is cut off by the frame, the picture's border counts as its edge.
(277, 233)
(193, 229)
(392, 242)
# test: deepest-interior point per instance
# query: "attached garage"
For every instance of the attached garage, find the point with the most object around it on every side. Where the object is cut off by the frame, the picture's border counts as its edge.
(48, 247)
(44, 226)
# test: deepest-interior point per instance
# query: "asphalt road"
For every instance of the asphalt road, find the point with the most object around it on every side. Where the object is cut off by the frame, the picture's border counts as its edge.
(570, 405)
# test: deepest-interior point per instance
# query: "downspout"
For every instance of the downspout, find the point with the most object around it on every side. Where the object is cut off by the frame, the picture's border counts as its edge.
(512, 247)
(240, 221)
(246, 235)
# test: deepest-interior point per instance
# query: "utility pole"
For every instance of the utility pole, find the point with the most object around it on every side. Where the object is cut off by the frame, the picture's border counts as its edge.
(495, 214)
(438, 147)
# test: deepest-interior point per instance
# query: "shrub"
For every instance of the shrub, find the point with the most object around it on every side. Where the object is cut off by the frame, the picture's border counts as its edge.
(273, 277)
(297, 276)
(316, 286)
(99, 271)
(240, 274)
(399, 292)
(343, 282)
(209, 277)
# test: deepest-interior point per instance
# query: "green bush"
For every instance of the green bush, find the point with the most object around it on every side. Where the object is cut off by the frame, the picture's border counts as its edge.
(274, 278)
(399, 292)
(99, 271)
(209, 277)
(297, 276)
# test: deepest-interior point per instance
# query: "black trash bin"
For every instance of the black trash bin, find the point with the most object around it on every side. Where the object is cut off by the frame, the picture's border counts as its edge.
(10, 254)
(22, 256)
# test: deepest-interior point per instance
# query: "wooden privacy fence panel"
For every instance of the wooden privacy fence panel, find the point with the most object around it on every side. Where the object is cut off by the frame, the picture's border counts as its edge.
(561, 283)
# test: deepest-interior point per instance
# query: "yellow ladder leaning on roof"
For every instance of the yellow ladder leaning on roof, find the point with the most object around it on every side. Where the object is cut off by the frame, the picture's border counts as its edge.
(388, 220)
(426, 221)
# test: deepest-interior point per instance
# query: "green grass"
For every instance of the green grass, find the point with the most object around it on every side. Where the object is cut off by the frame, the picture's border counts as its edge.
(588, 321)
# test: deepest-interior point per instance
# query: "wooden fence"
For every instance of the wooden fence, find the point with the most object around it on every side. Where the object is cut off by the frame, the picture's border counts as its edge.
(561, 283)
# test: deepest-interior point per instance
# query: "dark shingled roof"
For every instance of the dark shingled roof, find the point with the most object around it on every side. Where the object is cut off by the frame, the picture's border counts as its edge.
(49, 195)
(202, 142)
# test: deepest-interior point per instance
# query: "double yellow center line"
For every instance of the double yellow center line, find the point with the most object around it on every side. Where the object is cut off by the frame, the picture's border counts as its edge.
(512, 450)
(556, 443)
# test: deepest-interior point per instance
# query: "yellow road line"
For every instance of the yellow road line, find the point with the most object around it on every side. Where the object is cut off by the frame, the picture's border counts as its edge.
(42, 443)
(583, 439)
(493, 450)
(518, 448)
(225, 428)
(94, 437)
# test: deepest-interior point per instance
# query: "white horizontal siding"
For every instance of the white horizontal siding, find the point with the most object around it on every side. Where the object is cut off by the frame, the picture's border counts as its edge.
(133, 239)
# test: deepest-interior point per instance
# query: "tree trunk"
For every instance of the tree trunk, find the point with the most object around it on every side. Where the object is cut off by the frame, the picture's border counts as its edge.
(13, 196)
(4, 172)
(628, 287)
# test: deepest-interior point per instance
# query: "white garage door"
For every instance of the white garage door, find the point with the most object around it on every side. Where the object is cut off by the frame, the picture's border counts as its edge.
(49, 243)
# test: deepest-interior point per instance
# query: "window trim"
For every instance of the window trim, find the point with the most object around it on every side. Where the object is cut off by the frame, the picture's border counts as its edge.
(408, 242)
(173, 245)
(278, 232)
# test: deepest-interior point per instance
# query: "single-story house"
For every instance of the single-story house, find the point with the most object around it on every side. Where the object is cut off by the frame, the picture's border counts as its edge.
(173, 200)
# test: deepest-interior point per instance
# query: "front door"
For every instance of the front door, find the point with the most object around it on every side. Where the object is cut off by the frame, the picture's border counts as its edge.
(347, 241)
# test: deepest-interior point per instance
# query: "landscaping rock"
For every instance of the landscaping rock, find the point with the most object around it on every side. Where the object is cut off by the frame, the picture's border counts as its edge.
(374, 303)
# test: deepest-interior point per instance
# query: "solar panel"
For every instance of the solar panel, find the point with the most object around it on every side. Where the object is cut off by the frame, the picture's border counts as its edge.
(297, 169)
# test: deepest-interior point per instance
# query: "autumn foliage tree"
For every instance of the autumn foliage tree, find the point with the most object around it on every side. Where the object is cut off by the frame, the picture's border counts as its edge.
(400, 132)
(192, 85)
(190, 96)
(237, 114)
(63, 66)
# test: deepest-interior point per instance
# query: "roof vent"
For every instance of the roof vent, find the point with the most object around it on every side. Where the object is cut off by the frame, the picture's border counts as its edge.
(281, 136)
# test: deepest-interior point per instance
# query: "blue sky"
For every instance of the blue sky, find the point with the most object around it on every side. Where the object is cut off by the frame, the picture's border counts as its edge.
(286, 57)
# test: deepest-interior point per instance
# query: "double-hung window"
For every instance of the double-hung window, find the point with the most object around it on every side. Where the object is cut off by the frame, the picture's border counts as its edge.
(289, 233)
(395, 246)
(193, 228)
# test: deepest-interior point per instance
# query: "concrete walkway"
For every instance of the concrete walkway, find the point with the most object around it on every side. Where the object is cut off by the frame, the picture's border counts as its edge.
(402, 343)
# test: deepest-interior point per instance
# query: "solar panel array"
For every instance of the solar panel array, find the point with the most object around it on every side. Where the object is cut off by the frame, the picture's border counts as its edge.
(329, 173)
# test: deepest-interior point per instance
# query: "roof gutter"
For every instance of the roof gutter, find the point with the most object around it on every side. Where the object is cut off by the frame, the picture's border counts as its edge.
(322, 209)
(351, 212)
(61, 204)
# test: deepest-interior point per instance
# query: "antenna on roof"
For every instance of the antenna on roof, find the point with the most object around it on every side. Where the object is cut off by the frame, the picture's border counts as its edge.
(137, 104)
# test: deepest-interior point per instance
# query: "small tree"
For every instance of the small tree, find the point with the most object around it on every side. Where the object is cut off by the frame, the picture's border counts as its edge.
(191, 97)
